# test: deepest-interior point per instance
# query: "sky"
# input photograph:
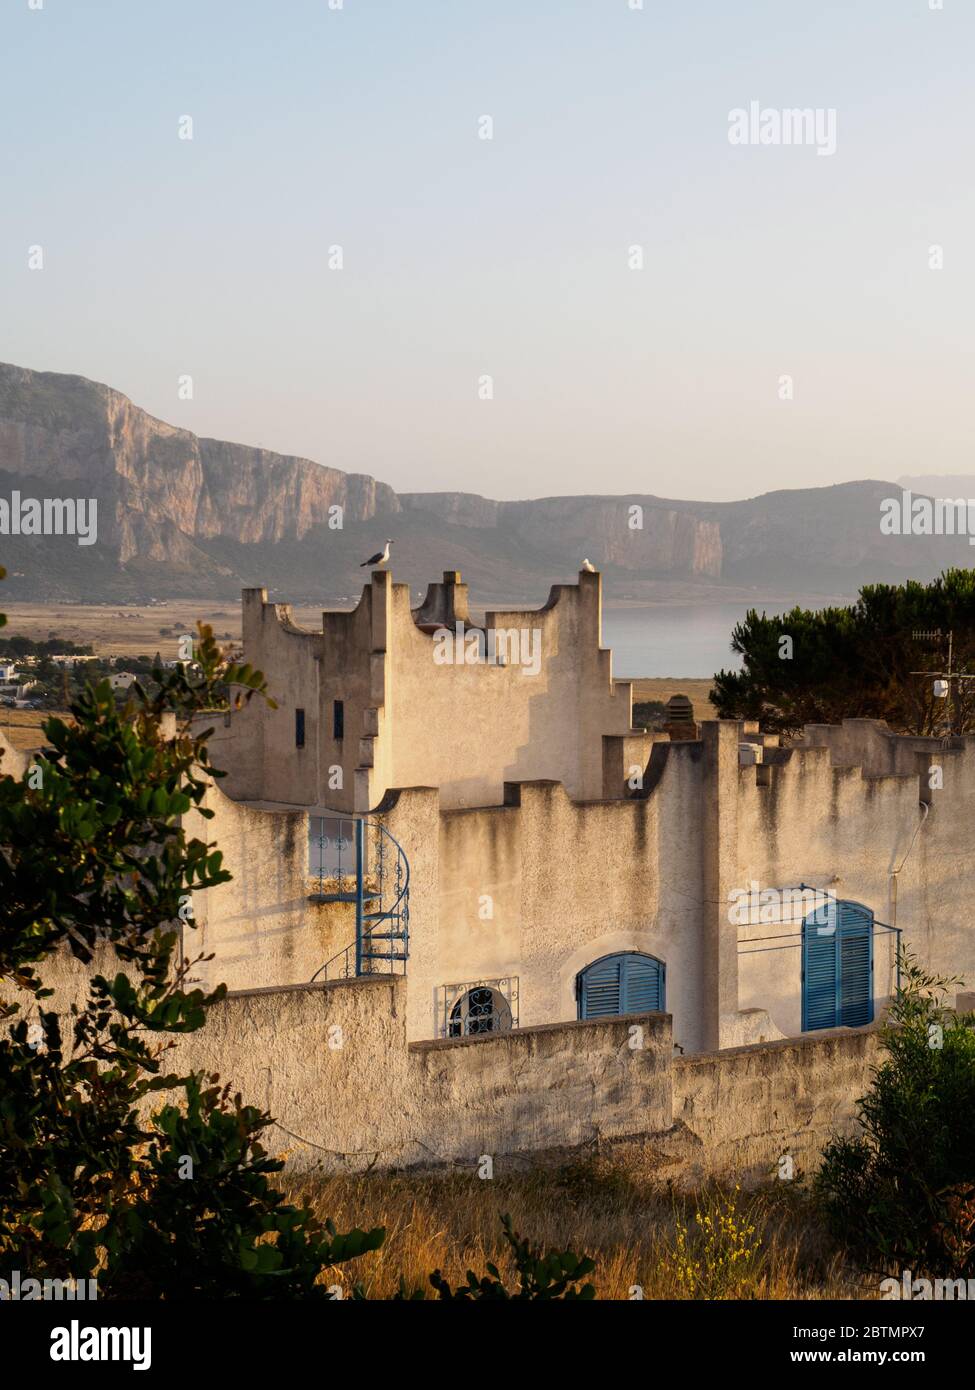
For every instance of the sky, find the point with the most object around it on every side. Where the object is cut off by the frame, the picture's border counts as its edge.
(486, 331)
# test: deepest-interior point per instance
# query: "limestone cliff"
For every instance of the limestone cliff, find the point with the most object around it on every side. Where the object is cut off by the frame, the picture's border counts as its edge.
(155, 482)
(666, 540)
(180, 515)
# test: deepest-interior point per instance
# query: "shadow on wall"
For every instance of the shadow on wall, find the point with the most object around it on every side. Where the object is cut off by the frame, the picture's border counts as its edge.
(331, 1062)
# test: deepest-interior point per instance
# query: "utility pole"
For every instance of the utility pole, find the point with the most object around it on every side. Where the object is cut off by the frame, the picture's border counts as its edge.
(947, 679)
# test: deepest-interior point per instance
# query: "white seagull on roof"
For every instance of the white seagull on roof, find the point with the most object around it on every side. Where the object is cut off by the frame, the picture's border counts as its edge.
(589, 567)
(380, 557)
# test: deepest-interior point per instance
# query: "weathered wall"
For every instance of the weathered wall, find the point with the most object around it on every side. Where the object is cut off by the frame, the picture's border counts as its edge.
(468, 729)
(885, 839)
(539, 888)
(749, 1106)
(261, 926)
(332, 1064)
(411, 720)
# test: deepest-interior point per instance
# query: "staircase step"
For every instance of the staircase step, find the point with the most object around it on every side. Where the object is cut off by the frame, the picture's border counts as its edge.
(382, 955)
(341, 897)
(386, 936)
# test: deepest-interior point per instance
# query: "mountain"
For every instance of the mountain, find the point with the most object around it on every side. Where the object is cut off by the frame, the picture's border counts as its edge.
(183, 516)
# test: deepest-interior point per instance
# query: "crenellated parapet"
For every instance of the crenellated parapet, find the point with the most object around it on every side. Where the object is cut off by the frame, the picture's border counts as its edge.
(388, 694)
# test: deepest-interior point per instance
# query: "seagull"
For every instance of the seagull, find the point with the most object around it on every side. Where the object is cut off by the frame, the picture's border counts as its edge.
(380, 557)
(589, 567)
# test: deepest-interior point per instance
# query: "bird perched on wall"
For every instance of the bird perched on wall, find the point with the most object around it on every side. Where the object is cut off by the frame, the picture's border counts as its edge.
(380, 557)
(589, 567)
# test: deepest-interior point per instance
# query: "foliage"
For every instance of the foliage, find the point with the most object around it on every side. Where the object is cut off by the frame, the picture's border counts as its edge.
(856, 662)
(540, 1276)
(649, 714)
(903, 1193)
(154, 1182)
(16, 647)
(97, 861)
(719, 1255)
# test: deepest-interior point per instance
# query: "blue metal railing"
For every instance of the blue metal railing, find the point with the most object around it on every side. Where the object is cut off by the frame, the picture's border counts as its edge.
(378, 883)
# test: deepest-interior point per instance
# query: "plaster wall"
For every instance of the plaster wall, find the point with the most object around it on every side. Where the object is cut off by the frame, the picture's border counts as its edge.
(885, 840)
(261, 926)
(332, 1064)
(411, 719)
(538, 888)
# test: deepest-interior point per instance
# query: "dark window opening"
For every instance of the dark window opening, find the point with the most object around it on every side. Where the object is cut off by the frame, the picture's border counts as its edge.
(480, 1010)
(338, 719)
(299, 728)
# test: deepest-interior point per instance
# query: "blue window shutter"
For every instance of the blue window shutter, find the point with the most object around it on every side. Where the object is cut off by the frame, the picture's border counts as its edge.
(818, 979)
(856, 966)
(628, 983)
(642, 985)
(837, 969)
(601, 988)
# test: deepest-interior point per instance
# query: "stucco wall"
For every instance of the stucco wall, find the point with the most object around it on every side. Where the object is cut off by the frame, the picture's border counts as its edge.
(536, 888)
(470, 728)
(885, 840)
(412, 720)
(749, 1106)
(261, 926)
(541, 887)
(332, 1064)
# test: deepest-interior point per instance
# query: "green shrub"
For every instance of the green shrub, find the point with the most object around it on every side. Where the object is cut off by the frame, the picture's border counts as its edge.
(171, 1202)
(902, 1194)
(540, 1276)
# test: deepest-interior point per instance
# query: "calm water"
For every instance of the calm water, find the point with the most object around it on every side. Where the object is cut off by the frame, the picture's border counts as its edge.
(683, 640)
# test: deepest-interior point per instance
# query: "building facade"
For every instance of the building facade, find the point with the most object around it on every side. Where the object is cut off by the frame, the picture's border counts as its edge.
(559, 864)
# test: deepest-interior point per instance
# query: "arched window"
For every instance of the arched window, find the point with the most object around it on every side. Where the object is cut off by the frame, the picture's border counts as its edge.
(480, 1010)
(627, 983)
(837, 966)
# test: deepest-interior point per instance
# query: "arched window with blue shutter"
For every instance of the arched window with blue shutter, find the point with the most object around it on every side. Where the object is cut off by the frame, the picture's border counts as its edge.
(627, 983)
(837, 967)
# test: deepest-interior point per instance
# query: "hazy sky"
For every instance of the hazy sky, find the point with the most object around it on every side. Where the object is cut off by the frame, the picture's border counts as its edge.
(359, 127)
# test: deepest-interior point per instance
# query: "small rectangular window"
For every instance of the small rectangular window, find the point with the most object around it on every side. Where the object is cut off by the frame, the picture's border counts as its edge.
(338, 719)
(299, 728)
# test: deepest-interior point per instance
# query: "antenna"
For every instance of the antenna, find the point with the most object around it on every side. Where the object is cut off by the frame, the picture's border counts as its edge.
(949, 678)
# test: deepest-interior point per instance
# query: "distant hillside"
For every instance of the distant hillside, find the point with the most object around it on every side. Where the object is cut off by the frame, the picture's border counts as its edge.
(180, 515)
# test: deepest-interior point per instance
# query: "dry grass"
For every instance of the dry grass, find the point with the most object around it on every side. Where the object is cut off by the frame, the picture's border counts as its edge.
(125, 629)
(22, 727)
(629, 1227)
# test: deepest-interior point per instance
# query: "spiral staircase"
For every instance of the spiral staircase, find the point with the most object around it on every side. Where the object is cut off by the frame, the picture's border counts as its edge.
(357, 860)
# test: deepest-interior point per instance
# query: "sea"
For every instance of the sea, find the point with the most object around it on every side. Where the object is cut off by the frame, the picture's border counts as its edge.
(678, 639)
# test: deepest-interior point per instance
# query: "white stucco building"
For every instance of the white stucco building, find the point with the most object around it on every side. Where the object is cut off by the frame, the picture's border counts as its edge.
(526, 857)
